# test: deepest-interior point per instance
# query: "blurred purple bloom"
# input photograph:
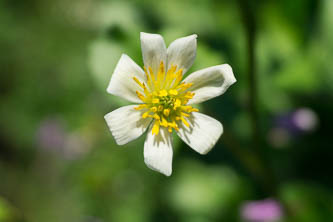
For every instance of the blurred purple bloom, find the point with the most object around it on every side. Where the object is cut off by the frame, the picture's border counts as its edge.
(268, 210)
(51, 135)
(299, 121)
(305, 119)
(292, 124)
(285, 121)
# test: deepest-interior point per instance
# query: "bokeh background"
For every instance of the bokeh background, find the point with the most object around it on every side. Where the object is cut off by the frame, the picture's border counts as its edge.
(59, 162)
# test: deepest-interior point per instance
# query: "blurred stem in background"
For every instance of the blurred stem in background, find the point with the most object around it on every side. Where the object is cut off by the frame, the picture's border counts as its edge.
(250, 26)
(254, 159)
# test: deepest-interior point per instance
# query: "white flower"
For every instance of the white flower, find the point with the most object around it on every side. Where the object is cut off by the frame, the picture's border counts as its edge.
(164, 101)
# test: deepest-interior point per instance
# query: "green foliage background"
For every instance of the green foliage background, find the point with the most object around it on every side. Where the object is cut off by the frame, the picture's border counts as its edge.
(59, 162)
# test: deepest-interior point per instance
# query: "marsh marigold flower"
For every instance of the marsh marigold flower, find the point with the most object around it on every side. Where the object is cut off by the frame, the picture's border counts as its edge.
(164, 101)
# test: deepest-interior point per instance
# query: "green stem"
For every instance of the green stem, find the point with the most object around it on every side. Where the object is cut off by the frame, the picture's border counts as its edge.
(250, 28)
(254, 159)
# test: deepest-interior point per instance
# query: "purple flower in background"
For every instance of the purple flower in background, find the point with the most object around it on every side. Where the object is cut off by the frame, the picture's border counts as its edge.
(299, 121)
(267, 210)
(285, 121)
(292, 124)
(305, 119)
(51, 134)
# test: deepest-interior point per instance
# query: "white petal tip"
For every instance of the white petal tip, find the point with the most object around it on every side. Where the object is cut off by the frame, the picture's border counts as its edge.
(169, 174)
(125, 124)
(220, 132)
(166, 172)
(204, 153)
(194, 36)
(142, 34)
(109, 90)
(118, 142)
(146, 34)
(106, 117)
(158, 152)
(230, 77)
(204, 133)
(120, 85)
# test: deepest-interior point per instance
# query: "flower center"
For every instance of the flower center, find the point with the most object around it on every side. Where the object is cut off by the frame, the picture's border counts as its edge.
(165, 98)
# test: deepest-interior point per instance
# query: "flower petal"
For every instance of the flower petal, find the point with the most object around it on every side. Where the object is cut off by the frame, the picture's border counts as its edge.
(210, 82)
(203, 133)
(182, 52)
(122, 83)
(153, 50)
(126, 124)
(158, 151)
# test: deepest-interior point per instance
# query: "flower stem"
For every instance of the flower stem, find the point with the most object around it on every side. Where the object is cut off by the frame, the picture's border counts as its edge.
(250, 28)
(259, 164)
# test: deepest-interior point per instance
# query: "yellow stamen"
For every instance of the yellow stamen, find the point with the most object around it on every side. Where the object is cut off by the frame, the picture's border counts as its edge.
(141, 97)
(183, 87)
(156, 100)
(148, 78)
(173, 92)
(177, 104)
(164, 122)
(166, 112)
(163, 93)
(151, 74)
(168, 78)
(165, 98)
(138, 82)
(184, 121)
(153, 109)
(156, 127)
(184, 114)
(174, 125)
(179, 75)
(186, 108)
(145, 89)
(189, 95)
(160, 74)
(145, 115)
(194, 110)
(141, 106)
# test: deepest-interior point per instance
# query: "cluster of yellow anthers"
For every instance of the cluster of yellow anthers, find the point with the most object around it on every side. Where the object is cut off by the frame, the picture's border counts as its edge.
(164, 98)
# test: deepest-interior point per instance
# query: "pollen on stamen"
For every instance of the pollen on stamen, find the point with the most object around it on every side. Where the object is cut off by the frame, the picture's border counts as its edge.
(141, 97)
(156, 100)
(184, 121)
(145, 115)
(163, 93)
(166, 112)
(141, 106)
(153, 109)
(173, 92)
(156, 116)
